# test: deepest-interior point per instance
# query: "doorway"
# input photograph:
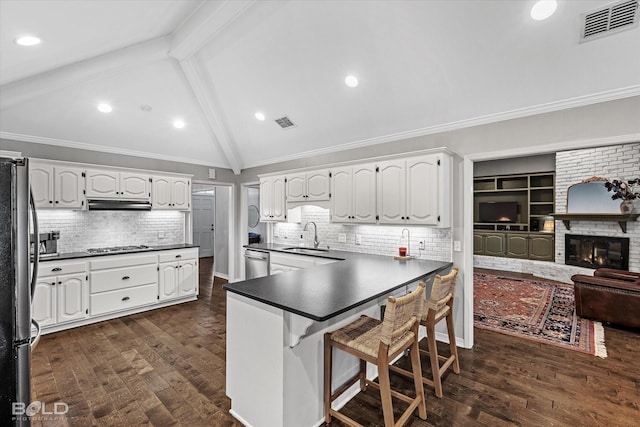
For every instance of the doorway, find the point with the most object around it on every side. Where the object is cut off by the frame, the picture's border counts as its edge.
(203, 204)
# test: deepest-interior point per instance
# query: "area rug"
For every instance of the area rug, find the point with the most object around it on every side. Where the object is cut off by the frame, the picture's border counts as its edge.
(534, 309)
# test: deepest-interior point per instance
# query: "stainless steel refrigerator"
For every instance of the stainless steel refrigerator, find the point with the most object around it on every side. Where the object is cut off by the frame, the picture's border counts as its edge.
(17, 280)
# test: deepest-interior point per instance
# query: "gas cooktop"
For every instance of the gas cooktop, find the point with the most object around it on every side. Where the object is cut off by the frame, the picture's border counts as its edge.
(112, 249)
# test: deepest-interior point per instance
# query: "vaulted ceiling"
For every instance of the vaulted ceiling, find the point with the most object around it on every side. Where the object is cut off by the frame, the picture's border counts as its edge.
(423, 67)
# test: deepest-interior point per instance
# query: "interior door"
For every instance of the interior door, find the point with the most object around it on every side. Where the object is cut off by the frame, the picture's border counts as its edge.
(203, 210)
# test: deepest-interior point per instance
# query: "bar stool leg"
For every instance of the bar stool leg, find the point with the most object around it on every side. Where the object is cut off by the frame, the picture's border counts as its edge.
(417, 379)
(385, 391)
(452, 342)
(433, 356)
(363, 375)
(327, 378)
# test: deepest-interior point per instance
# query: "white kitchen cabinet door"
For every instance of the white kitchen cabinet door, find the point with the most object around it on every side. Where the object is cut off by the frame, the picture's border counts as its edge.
(279, 199)
(168, 280)
(134, 186)
(364, 194)
(309, 186)
(422, 190)
(71, 295)
(342, 194)
(43, 306)
(161, 194)
(68, 188)
(391, 192)
(296, 187)
(272, 199)
(187, 277)
(266, 199)
(102, 183)
(180, 193)
(42, 181)
(318, 185)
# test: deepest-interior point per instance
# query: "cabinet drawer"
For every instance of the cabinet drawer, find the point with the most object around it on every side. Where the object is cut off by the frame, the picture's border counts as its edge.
(116, 261)
(120, 278)
(168, 256)
(123, 299)
(56, 269)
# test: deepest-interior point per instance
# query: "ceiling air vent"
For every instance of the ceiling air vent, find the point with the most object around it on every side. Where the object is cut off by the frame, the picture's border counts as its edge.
(613, 18)
(285, 122)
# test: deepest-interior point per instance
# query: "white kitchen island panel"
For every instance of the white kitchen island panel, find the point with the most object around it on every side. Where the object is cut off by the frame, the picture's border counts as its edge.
(272, 384)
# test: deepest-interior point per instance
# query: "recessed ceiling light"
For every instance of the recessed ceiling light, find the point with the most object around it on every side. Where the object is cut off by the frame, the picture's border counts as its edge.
(351, 81)
(27, 41)
(178, 124)
(543, 9)
(146, 108)
(260, 116)
(104, 108)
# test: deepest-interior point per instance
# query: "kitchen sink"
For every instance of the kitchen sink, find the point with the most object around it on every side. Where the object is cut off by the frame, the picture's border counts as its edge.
(305, 250)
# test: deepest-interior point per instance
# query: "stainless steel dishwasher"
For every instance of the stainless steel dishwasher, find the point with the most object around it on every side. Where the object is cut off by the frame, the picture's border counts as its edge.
(256, 264)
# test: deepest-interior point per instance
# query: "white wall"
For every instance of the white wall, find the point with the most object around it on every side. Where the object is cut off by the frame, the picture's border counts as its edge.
(221, 252)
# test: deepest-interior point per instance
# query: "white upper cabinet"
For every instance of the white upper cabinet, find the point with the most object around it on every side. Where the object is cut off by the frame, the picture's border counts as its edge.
(308, 186)
(392, 192)
(171, 193)
(415, 191)
(109, 184)
(272, 199)
(56, 186)
(353, 194)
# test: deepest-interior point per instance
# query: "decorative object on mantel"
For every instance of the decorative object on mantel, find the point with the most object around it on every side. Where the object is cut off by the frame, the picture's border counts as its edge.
(627, 191)
(535, 309)
(591, 200)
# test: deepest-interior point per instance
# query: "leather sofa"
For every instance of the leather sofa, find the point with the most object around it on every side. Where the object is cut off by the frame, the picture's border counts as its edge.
(609, 296)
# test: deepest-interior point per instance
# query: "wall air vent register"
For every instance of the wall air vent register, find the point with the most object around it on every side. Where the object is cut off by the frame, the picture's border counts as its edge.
(610, 19)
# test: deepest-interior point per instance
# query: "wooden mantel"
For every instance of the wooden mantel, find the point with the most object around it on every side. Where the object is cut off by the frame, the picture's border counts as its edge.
(621, 219)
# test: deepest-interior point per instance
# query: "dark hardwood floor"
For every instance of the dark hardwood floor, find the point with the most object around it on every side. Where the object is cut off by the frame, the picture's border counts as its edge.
(167, 367)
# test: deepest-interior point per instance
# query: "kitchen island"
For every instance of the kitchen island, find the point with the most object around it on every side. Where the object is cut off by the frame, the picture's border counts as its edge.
(276, 324)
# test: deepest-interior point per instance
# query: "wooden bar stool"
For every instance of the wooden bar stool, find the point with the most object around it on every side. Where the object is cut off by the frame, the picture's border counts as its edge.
(379, 342)
(439, 306)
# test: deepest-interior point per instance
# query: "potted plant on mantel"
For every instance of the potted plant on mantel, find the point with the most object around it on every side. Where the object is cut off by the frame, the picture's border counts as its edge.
(628, 191)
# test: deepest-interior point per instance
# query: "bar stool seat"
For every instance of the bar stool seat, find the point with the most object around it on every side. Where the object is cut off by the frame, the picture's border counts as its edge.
(379, 342)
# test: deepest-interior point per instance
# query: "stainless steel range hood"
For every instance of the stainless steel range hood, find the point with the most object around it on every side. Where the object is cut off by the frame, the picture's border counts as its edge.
(118, 205)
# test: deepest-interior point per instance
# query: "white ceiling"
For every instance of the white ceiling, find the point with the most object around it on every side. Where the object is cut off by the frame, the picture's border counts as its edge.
(423, 66)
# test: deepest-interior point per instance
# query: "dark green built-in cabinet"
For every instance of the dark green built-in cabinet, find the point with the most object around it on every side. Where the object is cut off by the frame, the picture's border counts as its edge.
(535, 195)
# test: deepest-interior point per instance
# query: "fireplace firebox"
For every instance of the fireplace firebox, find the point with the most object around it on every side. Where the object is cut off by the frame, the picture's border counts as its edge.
(596, 251)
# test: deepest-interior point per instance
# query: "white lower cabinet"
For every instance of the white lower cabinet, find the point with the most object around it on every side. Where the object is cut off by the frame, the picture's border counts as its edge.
(178, 274)
(71, 293)
(61, 298)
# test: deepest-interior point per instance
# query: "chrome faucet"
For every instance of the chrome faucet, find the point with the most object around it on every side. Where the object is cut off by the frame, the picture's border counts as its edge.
(316, 242)
(408, 240)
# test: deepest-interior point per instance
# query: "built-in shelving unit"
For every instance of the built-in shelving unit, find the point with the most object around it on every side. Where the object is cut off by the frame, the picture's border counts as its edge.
(535, 195)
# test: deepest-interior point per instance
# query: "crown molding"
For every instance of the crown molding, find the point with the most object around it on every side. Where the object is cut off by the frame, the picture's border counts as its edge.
(550, 107)
(103, 149)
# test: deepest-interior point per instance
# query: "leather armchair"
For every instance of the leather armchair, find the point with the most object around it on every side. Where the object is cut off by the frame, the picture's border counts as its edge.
(609, 295)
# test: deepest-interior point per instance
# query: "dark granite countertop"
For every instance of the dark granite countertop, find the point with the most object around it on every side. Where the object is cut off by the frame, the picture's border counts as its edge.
(75, 255)
(325, 291)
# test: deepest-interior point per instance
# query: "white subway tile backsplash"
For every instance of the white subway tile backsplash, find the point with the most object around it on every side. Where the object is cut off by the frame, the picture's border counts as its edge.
(80, 230)
(375, 239)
